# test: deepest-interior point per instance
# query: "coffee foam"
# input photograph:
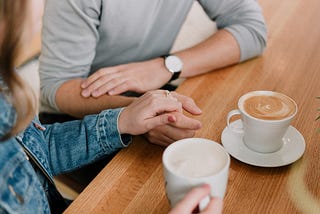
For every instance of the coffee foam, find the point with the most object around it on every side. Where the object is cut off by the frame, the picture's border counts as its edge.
(269, 107)
(196, 160)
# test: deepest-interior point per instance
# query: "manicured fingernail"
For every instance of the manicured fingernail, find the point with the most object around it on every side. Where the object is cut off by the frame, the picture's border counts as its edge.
(171, 118)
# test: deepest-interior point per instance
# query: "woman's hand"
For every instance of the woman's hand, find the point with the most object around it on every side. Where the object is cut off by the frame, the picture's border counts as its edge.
(183, 127)
(149, 111)
(138, 77)
(193, 198)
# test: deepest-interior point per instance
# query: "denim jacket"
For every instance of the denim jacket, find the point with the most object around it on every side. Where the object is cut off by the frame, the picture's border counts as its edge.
(56, 148)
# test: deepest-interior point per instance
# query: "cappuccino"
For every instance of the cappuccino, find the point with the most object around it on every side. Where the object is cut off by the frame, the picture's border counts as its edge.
(265, 117)
(196, 160)
(269, 107)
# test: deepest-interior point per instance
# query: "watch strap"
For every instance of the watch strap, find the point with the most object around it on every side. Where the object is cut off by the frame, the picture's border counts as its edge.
(175, 76)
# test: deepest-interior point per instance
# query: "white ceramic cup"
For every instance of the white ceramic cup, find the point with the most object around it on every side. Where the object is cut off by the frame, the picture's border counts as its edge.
(192, 162)
(262, 135)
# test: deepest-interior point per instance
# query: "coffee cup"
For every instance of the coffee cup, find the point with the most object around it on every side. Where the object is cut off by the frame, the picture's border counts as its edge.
(265, 116)
(192, 162)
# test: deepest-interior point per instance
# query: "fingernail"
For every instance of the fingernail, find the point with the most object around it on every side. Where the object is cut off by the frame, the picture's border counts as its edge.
(171, 118)
(85, 93)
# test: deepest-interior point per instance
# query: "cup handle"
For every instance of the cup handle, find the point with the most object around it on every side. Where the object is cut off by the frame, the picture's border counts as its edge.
(229, 116)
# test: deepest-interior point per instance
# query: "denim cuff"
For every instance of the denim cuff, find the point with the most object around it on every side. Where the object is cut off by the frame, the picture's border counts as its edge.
(109, 131)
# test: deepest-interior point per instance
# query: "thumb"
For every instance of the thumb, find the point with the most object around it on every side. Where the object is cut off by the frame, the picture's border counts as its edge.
(159, 120)
(215, 206)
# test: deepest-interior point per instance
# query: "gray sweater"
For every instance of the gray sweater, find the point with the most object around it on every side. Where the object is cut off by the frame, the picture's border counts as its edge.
(82, 36)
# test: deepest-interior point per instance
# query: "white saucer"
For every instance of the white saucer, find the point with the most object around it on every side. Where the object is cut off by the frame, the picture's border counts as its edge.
(292, 149)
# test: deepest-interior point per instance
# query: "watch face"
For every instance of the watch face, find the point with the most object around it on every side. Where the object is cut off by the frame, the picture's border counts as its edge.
(173, 63)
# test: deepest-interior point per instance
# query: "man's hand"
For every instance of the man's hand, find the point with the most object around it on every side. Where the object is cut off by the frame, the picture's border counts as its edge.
(137, 77)
(183, 127)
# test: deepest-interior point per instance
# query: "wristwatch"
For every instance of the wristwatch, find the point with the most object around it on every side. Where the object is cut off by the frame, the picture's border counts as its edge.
(174, 65)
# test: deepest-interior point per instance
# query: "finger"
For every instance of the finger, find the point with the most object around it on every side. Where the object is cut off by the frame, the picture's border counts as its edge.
(96, 75)
(161, 104)
(188, 104)
(177, 133)
(160, 141)
(97, 84)
(160, 93)
(192, 199)
(159, 136)
(215, 206)
(184, 122)
(124, 87)
(109, 85)
(159, 120)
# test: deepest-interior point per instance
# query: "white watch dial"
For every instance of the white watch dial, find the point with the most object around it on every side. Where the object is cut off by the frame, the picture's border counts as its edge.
(173, 63)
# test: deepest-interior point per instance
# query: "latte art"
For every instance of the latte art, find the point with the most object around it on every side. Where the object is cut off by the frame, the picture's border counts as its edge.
(269, 107)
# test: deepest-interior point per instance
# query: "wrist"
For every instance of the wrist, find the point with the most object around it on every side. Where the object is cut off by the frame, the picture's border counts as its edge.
(122, 126)
(173, 65)
(125, 137)
(162, 71)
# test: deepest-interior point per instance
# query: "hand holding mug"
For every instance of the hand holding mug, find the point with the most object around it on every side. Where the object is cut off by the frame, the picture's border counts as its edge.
(190, 202)
(193, 162)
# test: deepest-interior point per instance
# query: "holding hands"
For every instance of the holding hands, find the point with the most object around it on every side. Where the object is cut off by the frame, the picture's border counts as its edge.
(157, 109)
(163, 121)
(183, 127)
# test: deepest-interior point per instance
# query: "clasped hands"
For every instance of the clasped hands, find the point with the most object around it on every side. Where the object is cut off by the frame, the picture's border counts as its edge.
(160, 115)
(142, 77)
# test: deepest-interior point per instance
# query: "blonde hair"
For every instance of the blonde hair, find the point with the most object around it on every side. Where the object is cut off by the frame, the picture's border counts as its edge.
(12, 16)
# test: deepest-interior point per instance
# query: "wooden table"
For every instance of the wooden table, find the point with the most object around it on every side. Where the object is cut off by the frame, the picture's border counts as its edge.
(133, 181)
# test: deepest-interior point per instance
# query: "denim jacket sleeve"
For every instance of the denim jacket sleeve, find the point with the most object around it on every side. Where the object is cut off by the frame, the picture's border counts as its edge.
(76, 143)
(7, 116)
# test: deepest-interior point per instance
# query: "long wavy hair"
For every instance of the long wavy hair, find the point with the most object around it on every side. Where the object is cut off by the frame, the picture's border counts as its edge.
(13, 16)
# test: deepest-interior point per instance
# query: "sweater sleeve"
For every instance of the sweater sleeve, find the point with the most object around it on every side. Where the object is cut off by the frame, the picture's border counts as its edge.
(69, 38)
(244, 20)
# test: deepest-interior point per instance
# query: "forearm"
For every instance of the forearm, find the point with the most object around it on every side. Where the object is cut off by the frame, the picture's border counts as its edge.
(219, 50)
(69, 100)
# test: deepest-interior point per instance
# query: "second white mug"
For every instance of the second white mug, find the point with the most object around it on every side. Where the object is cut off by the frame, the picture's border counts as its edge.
(265, 116)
